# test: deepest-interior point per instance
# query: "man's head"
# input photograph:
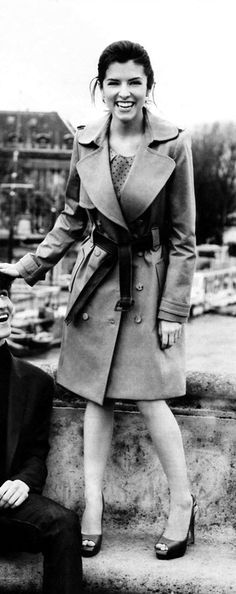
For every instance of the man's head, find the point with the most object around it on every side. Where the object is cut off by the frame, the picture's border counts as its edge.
(6, 307)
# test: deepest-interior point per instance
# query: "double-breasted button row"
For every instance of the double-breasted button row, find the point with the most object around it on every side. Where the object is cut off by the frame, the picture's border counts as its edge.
(85, 317)
(137, 318)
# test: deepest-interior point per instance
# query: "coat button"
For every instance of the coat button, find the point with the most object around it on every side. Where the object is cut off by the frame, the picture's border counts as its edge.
(97, 252)
(138, 319)
(140, 254)
(112, 321)
(85, 316)
(139, 287)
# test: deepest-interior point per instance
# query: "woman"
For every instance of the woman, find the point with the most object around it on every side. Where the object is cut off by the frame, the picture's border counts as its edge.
(130, 201)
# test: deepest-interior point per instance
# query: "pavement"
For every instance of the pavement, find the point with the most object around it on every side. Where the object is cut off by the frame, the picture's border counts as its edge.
(127, 564)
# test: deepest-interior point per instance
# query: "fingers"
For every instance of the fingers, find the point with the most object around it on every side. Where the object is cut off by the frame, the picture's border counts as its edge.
(169, 333)
(3, 490)
(9, 269)
(13, 493)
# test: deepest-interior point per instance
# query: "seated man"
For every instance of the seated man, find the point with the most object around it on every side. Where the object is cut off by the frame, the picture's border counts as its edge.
(28, 520)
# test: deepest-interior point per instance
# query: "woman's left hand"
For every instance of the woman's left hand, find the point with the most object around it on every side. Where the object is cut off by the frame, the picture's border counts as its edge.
(169, 333)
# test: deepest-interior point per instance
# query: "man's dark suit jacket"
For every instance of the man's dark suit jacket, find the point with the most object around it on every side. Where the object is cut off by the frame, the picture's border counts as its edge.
(29, 410)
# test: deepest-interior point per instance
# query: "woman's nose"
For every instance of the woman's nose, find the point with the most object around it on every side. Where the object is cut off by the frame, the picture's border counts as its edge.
(124, 90)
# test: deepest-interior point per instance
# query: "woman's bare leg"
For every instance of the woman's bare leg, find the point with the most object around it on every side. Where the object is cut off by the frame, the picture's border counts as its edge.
(98, 428)
(167, 440)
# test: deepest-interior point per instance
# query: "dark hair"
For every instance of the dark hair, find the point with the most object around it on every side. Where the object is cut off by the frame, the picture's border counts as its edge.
(122, 51)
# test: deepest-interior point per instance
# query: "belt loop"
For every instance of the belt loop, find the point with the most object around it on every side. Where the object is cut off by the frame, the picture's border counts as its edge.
(155, 237)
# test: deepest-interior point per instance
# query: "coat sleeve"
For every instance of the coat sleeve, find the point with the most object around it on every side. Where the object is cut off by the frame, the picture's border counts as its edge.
(34, 448)
(69, 228)
(175, 301)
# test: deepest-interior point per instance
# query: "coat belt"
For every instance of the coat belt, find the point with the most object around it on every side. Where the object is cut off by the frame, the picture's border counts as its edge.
(123, 253)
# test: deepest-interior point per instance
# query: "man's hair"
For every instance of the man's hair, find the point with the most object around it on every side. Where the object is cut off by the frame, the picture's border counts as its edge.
(5, 281)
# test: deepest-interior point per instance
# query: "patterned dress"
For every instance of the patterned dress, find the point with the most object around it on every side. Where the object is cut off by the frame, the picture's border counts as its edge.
(120, 167)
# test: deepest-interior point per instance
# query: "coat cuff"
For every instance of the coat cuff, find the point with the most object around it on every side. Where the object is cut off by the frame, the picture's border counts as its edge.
(173, 312)
(171, 317)
(29, 269)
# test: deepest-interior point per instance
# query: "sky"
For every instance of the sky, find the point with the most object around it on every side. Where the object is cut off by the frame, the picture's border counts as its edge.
(49, 51)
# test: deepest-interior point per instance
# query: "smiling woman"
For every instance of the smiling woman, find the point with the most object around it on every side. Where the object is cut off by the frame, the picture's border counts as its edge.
(130, 203)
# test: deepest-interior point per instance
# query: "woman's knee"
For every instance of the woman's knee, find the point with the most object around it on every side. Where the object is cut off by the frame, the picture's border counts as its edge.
(150, 408)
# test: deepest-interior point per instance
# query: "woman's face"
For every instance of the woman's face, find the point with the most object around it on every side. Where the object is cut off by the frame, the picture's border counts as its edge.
(124, 90)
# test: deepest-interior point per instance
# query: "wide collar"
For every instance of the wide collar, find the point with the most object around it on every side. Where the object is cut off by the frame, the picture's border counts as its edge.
(149, 172)
(16, 405)
(157, 129)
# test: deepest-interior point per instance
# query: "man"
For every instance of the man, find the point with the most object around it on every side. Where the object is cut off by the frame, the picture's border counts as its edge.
(28, 520)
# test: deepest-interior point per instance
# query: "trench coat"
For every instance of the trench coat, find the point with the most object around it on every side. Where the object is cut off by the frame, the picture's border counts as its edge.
(107, 353)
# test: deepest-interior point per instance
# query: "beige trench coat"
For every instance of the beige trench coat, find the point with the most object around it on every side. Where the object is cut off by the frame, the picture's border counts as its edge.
(107, 353)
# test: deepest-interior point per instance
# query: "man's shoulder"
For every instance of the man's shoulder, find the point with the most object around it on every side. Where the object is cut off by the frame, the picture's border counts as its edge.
(33, 371)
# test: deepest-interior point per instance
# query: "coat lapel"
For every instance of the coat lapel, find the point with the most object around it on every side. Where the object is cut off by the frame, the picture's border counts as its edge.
(150, 170)
(148, 175)
(99, 187)
(16, 405)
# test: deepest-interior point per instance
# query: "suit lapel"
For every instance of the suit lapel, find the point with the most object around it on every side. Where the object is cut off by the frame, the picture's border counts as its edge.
(16, 405)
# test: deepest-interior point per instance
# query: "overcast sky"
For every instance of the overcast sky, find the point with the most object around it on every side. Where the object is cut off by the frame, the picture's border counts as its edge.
(49, 51)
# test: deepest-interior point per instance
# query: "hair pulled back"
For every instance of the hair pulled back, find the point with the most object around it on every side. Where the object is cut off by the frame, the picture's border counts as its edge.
(122, 51)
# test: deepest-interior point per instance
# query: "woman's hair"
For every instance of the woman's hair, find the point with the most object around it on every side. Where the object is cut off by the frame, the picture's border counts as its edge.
(122, 51)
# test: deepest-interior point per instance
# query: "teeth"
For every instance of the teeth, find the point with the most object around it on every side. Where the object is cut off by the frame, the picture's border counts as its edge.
(3, 317)
(124, 104)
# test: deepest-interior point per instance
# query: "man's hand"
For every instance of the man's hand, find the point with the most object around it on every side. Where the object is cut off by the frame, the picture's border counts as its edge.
(13, 493)
(169, 333)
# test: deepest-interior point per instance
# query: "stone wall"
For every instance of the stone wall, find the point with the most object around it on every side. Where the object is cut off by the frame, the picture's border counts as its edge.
(135, 486)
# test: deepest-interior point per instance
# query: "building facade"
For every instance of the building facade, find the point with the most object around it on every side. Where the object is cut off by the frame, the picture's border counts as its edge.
(35, 151)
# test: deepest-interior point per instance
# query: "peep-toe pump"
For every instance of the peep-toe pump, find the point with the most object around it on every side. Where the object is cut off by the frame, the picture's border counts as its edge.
(91, 543)
(172, 549)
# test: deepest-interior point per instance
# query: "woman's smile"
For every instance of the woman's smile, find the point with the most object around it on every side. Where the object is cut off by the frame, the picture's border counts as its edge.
(125, 90)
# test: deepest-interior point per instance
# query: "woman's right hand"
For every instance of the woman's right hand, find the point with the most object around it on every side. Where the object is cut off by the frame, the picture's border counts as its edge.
(10, 269)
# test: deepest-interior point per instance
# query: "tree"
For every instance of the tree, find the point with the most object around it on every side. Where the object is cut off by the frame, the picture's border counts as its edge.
(214, 158)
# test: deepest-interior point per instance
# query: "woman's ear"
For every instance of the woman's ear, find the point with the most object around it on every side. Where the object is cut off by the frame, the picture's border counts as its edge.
(147, 98)
(101, 91)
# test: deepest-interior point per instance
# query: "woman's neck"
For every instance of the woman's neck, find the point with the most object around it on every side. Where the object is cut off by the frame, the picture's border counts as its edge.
(125, 137)
(128, 128)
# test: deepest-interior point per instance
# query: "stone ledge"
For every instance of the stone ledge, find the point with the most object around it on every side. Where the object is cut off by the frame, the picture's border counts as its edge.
(127, 564)
(205, 392)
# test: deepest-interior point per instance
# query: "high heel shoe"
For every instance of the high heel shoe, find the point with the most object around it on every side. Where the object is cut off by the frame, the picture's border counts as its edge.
(172, 549)
(91, 543)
